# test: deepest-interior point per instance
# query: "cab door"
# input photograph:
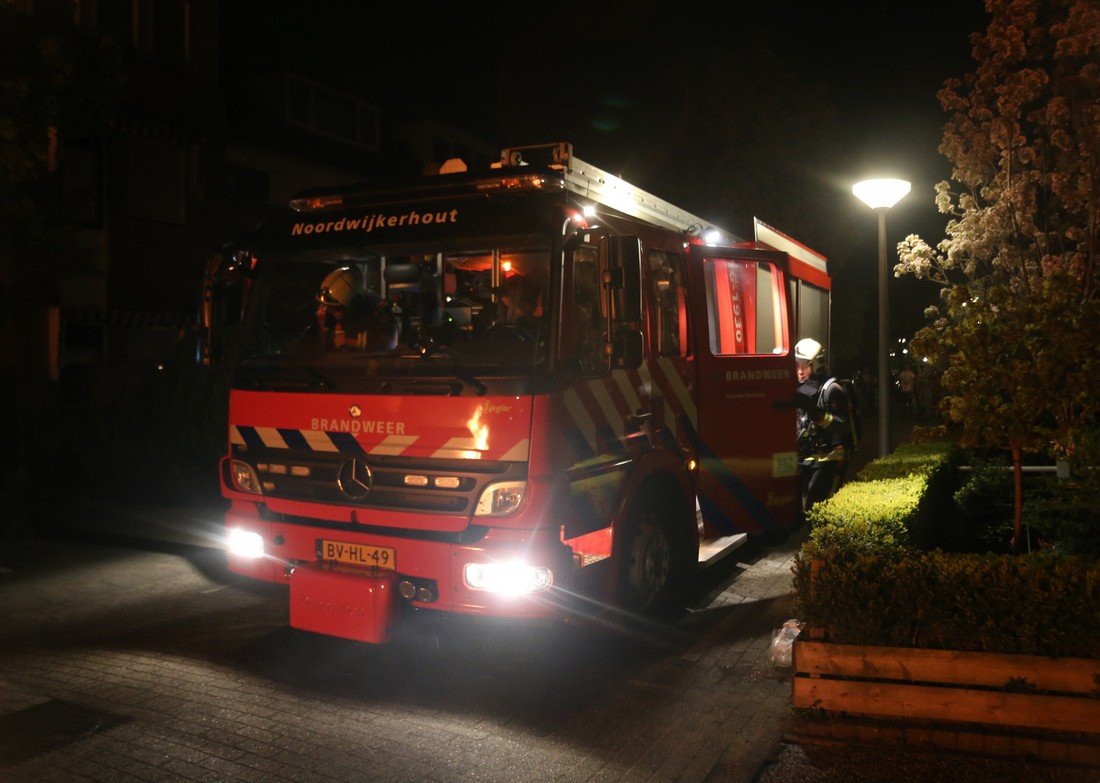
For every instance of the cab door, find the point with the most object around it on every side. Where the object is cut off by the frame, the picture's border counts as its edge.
(748, 467)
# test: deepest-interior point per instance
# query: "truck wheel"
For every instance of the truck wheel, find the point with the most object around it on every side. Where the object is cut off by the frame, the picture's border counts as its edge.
(655, 570)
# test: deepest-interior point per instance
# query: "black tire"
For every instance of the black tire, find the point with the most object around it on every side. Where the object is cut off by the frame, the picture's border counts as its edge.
(657, 560)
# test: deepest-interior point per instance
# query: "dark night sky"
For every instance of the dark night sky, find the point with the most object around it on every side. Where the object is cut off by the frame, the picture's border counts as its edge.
(592, 73)
(609, 77)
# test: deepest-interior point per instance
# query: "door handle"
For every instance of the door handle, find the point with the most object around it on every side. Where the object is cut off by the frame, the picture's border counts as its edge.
(639, 416)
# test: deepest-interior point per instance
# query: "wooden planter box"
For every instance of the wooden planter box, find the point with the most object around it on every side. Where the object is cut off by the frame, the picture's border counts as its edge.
(1053, 699)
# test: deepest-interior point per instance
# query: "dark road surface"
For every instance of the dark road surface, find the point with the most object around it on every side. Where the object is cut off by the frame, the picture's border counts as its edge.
(138, 660)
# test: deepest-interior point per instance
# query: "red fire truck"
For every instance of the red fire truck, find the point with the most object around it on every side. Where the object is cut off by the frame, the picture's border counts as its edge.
(491, 392)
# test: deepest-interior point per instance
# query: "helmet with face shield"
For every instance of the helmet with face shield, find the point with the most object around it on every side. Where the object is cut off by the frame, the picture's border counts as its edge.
(340, 287)
(811, 352)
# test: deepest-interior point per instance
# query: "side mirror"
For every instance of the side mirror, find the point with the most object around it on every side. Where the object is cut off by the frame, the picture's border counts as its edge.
(621, 260)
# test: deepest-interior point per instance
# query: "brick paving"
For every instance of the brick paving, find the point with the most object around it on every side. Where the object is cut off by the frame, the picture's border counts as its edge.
(160, 666)
(151, 663)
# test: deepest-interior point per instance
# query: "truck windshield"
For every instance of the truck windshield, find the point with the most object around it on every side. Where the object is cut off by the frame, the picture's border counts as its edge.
(426, 312)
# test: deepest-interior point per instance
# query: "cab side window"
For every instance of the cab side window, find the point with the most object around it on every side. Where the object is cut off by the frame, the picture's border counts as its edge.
(670, 317)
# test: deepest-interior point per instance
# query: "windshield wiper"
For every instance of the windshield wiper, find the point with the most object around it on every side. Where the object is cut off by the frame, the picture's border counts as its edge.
(323, 381)
(466, 377)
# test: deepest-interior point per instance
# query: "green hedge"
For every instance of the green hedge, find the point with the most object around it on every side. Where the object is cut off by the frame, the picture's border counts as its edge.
(873, 584)
(893, 502)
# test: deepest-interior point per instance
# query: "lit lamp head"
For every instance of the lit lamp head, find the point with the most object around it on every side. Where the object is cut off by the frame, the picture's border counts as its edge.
(881, 193)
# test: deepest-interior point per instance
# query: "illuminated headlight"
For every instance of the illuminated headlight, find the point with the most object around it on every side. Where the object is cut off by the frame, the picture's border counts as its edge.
(508, 578)
(243, 477)
(500, 499)
(244, 543)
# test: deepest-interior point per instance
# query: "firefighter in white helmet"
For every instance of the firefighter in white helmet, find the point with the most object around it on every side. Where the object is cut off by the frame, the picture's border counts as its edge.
(825, 438)
(347, 312)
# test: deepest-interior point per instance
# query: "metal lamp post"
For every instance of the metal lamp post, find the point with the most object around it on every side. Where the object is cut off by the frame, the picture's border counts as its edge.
(880, 195)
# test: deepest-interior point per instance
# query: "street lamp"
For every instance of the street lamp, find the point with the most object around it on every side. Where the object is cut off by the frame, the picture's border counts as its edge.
(880, 195)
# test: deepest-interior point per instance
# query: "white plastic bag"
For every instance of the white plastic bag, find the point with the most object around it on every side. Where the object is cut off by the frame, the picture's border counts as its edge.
(783, 642)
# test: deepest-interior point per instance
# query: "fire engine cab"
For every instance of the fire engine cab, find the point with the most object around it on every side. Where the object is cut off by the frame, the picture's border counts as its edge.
(490, 392)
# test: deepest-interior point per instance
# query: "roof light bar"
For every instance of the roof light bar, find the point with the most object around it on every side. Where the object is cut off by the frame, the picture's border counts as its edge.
(316, 203)
(525, 182)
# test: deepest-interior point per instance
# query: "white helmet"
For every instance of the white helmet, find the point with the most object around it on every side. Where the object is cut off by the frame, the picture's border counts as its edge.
(810, 351)
(340, 286)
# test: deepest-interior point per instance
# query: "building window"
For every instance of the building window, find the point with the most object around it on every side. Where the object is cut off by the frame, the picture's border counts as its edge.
(330, 113)
(334, 114)
(80, 185)
(154, 181)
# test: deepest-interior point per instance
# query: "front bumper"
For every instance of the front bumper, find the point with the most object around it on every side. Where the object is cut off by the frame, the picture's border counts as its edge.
(367, 595)
(340, 603)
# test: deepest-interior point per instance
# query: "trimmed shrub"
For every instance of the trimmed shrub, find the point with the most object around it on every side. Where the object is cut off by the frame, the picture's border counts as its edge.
(889, 504)
(983, 521)
(1037, 605)
(1063, 514)
(864, 576)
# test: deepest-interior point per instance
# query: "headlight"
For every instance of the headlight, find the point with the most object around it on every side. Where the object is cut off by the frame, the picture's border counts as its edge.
(243, 477)
(500, 499)
(508, 578)
(244, 543)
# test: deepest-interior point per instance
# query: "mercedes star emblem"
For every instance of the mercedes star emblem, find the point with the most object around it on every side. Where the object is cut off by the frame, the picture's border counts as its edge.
(354, 478)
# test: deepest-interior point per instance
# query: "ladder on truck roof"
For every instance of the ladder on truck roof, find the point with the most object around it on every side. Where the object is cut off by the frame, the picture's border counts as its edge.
(605, 188)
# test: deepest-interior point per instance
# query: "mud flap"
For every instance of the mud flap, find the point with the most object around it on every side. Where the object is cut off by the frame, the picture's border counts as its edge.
(351, 605)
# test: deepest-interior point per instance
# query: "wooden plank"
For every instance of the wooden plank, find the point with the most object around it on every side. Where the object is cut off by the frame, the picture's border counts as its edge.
(1001, 741)
(1068, 675)
(958, 705)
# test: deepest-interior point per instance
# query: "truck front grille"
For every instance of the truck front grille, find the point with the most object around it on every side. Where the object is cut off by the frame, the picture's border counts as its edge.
(397, 483)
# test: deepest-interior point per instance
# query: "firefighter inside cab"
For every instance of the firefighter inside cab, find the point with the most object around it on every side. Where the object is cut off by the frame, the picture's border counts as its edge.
(824, 431)
(350, 316)
(518, 300)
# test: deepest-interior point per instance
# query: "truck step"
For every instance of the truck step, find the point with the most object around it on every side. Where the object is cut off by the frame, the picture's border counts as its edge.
(714, 549)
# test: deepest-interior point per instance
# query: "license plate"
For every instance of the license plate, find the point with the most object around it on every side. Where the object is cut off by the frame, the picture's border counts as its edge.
(357, 554)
